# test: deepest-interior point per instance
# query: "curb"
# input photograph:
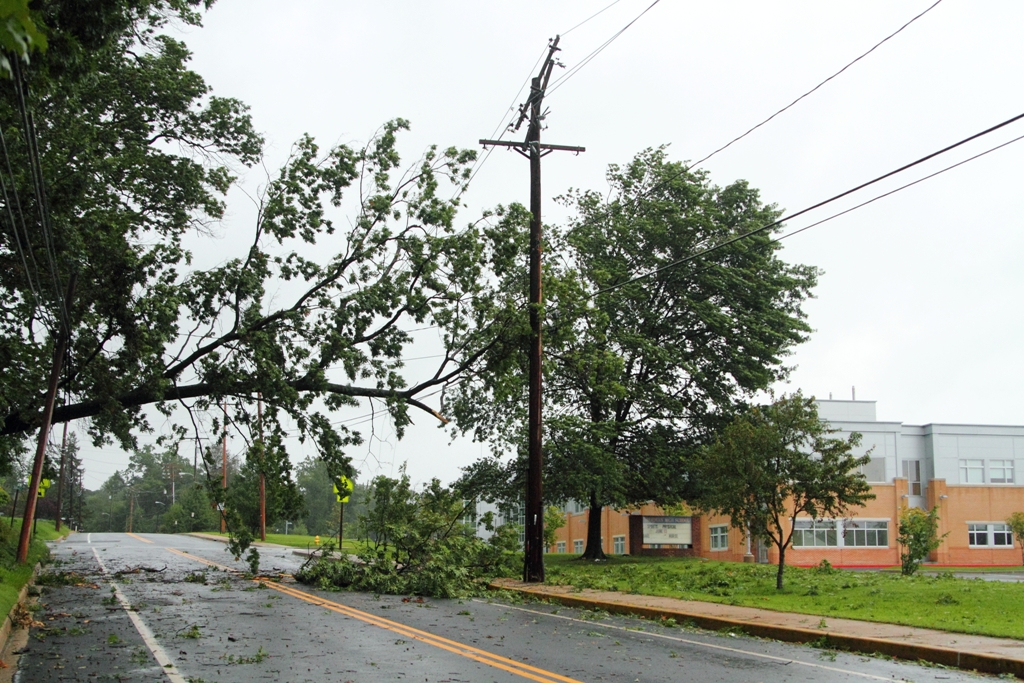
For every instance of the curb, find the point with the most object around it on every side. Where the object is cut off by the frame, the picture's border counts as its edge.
(960, 659)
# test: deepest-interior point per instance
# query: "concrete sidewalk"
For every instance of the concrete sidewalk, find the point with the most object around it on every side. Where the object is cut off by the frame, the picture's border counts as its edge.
(980, 653)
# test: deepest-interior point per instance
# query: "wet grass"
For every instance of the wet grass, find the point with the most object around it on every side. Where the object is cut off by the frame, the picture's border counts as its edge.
(13, 576)
(939, 601)
(301, 541)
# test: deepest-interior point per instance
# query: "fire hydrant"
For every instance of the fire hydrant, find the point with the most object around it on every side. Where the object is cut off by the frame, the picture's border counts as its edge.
(317, 540)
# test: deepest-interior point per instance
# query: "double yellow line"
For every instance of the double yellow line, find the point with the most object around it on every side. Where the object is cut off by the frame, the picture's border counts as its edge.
(455, 647)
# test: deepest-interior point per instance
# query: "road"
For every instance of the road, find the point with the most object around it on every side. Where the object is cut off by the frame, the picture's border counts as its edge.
(190, 621)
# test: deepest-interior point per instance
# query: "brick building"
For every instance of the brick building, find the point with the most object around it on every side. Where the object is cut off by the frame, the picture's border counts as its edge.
(972, 472)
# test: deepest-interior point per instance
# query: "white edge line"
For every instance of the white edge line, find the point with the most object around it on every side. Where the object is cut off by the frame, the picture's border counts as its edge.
(784, 660)
(147, 636)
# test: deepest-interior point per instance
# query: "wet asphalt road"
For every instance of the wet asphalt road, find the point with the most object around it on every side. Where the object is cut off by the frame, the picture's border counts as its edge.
(192, 622)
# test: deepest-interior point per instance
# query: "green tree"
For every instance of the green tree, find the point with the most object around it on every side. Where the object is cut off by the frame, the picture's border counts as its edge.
(776, 463)
(918, 537)
(314, 482)
(1016, 523)
(135, 154)
(554, 519)
(640, 372)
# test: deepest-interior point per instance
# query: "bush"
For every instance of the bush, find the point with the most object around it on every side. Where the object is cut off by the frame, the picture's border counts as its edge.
(417, 544)
(918, 536)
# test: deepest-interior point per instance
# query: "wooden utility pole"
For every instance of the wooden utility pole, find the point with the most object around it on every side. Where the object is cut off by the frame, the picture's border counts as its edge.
(44, 430)
(533, 569)
(60, 476)
(224, 465)
(263, 477)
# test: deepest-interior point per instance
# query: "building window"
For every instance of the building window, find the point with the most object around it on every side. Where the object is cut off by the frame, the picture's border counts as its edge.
(619, 545)
(972, 472)
(1000, 471)
(815, 533)
(912, 472)
(577, 545)
(989, 534)
(1001, 535)
(977, 534)
(874, 470)
(864, 534)
(560, 547)
(720, 537)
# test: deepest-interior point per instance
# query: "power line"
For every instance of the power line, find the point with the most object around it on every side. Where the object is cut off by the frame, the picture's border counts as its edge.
(586, 60)
(900, 188)
(779, 221)
(502, 126)
(812, 90)
(565, 33)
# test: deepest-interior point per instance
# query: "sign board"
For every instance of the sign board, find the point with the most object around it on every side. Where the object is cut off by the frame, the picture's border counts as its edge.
(342, 488)
(668, 530)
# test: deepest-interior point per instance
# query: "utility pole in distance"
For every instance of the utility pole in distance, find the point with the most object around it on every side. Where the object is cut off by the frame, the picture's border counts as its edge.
(533, 569)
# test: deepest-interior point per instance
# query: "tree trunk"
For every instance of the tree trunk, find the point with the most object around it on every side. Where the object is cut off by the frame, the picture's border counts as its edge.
(782, 567)
(595, 549)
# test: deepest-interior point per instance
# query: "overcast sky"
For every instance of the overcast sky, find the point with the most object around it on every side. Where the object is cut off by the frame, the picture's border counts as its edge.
(919, 306)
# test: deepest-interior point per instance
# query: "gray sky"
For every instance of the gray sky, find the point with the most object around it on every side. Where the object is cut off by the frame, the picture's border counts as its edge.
(919, 304)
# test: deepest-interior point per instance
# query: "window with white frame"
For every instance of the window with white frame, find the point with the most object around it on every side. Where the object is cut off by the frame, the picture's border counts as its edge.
(1000, 471)
(720, 537)
(912, 472)
(619, 545)
(859, 533)
(560, 547)
(989, 534)
(972, 471)
(577, 545)
(815, 533)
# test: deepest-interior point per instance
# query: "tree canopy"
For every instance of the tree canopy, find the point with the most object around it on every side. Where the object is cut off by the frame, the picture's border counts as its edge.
(117, 161)
(648, 349)
(775, 463)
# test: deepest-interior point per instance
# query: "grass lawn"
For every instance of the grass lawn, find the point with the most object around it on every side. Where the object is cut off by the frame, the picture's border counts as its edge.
(13, 576)
(299, 541)
(943, 601)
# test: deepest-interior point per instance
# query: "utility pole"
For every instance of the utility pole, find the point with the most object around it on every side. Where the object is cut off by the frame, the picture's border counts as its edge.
(224, 465)
(60, 475)
(63, 333)
(263, 477)
(533, 569)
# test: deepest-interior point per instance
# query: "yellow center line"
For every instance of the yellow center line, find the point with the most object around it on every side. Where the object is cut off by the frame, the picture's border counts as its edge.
(139, 538)
(455, 647)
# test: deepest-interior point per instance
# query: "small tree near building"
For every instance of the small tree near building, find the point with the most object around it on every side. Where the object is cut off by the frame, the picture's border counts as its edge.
(778, 462)
(1016, 524)
(919, 535)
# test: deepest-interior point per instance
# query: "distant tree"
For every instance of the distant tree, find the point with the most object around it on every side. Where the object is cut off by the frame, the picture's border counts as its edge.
(1016, 524)
(775, 463)
(315, 484)
(918, 537)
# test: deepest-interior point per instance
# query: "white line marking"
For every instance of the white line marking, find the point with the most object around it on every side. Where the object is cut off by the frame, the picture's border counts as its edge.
(147, 636)
(783, 660)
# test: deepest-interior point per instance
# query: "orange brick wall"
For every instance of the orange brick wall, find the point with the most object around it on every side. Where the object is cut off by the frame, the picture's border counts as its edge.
(958, 505)
(963, 504)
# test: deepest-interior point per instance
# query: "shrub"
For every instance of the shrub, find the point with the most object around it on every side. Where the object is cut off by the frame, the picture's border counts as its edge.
(918, 536)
